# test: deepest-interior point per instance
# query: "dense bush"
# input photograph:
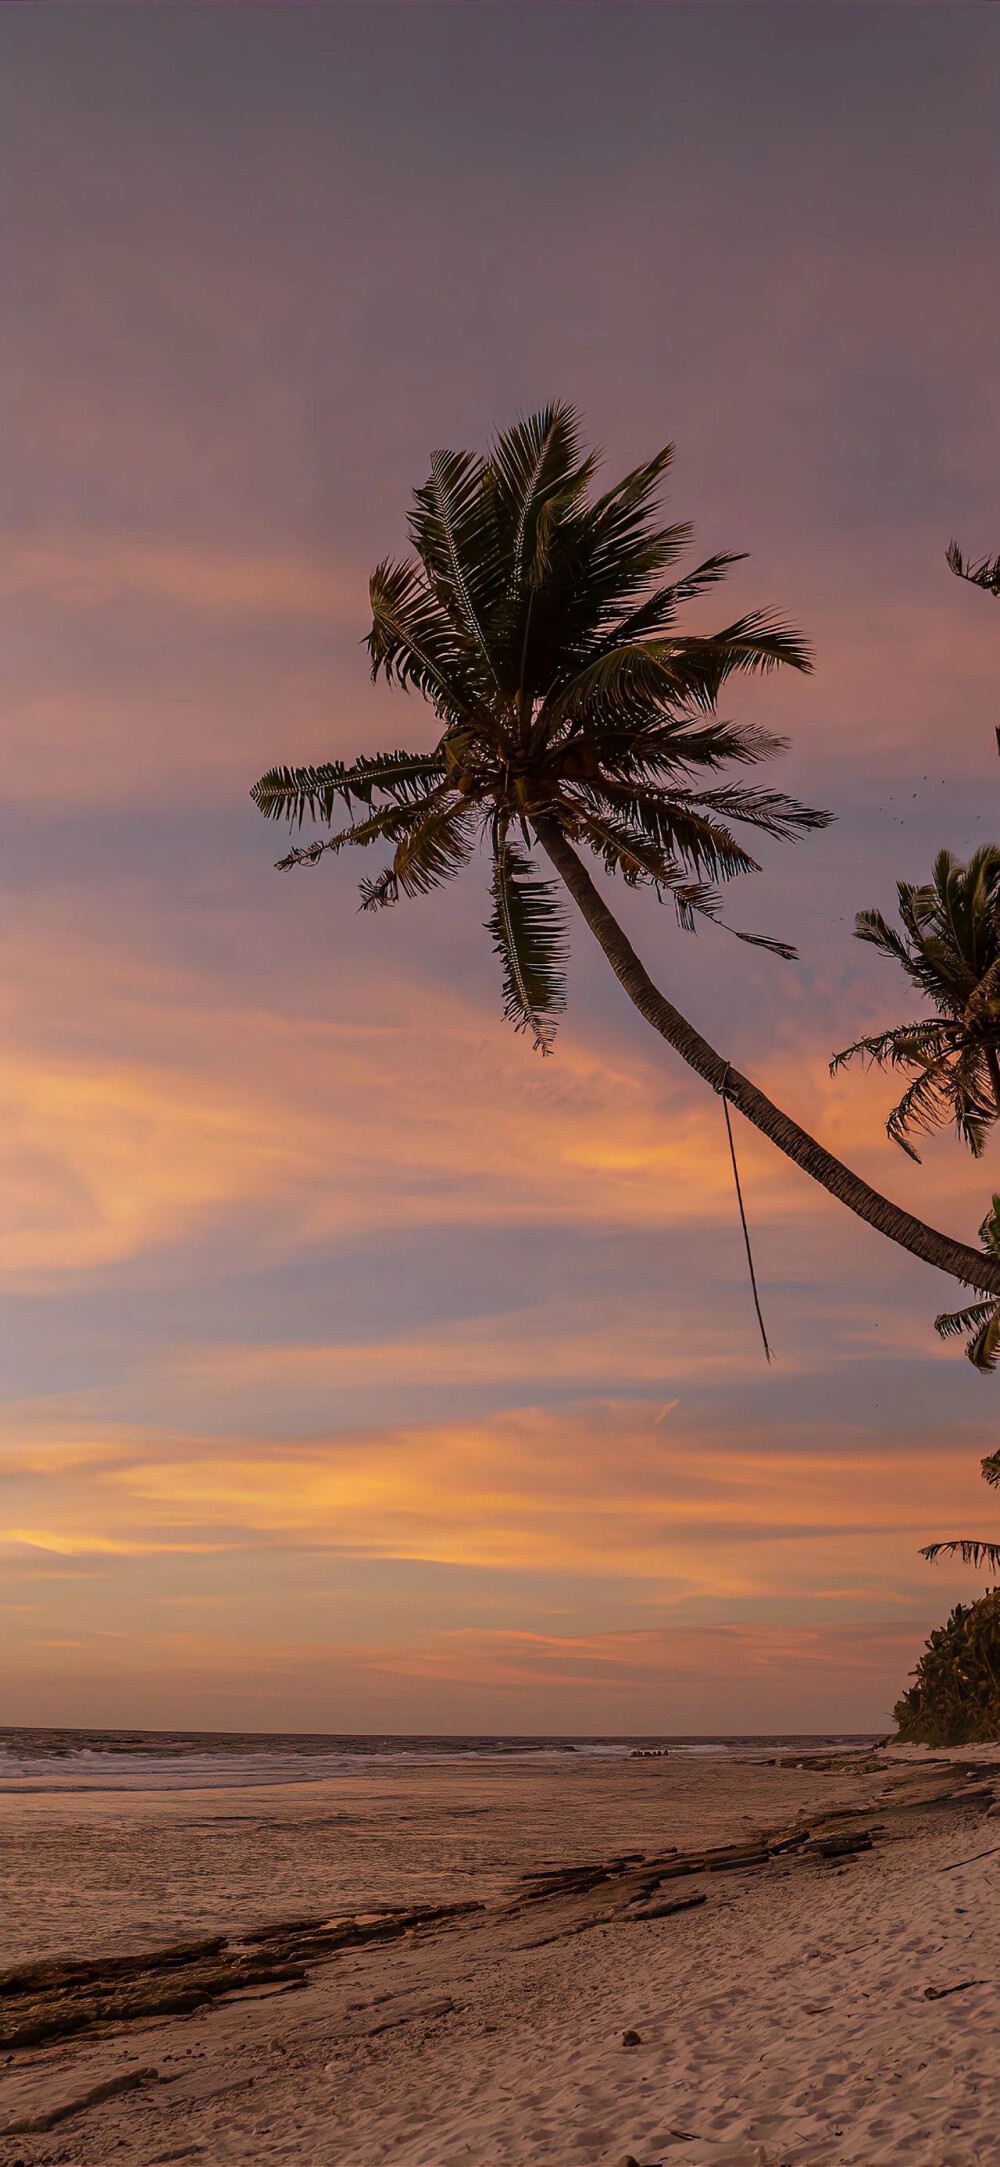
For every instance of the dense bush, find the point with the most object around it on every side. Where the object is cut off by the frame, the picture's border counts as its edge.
(955, 1697)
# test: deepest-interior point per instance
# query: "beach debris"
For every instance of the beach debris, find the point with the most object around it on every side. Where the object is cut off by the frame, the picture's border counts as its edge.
(631, 2039)
(838, 1847)
(666, 1910)
(26, 2022)
(939, 1993)
(973, 1861)
(66, 2103)
(54, 1972)
(53, 1999)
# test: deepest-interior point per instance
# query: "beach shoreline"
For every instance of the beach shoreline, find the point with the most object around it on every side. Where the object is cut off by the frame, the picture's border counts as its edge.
(784, 2013)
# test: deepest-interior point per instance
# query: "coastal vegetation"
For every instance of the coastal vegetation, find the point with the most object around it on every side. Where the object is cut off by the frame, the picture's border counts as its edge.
(949, 949)
(955, 1696)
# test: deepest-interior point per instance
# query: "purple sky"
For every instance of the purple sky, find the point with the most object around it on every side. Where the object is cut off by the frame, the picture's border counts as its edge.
(364, 1373)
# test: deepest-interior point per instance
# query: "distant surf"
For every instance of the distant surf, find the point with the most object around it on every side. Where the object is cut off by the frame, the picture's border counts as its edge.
(61, 1761)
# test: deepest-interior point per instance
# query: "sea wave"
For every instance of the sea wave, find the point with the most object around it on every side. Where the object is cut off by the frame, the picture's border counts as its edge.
(58, 1761)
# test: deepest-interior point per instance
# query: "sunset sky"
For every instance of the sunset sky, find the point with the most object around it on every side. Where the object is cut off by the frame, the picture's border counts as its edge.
(366, 1373)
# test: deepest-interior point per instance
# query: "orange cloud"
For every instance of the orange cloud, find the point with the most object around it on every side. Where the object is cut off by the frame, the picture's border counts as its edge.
(90, 570)
(599, 1489)
(359, 1120)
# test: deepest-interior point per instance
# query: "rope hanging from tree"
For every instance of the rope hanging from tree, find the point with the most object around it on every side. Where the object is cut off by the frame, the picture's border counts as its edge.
(743, 1216)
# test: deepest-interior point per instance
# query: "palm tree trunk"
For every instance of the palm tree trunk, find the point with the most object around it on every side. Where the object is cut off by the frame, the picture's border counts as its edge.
(968, 1265)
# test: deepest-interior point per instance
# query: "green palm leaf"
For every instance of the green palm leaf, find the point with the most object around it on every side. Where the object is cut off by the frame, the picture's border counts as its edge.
(434, 848)
(289, 793)
(388, 825)
(528, 930)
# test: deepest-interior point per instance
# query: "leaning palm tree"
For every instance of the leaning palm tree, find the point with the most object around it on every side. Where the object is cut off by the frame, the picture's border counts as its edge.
(950, 950)
(573, 714)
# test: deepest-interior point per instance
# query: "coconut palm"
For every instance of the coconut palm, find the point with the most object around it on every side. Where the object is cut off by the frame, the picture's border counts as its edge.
(950, 950)
(540, 621)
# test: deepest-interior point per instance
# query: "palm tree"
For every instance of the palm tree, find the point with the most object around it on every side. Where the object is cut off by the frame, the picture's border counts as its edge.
(537, 622)
(950, 950)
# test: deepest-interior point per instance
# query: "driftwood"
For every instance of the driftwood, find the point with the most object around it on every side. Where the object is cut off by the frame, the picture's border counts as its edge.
(666, 1911)
(55, 1999)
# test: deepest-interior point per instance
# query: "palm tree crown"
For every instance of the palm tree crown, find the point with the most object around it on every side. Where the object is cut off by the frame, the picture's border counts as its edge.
(950, 950)
(536, 621)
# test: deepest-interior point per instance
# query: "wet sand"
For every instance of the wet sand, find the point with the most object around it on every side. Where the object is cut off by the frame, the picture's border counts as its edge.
(787, 2018)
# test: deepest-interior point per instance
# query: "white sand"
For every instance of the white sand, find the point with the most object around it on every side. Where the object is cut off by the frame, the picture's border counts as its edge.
(788, 2014)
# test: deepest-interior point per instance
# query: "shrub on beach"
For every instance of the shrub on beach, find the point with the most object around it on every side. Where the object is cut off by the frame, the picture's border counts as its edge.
(955, 1697)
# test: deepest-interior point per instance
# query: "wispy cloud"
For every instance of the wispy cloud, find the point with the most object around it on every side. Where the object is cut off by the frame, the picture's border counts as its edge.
(89, 570)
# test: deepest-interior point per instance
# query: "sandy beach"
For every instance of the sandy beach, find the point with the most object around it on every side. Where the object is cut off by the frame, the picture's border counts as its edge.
(801, 2008)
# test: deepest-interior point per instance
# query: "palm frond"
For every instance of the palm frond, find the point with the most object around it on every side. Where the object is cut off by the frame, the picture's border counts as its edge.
(984, 574)
(453, 529)
(433, 849)
(676, 826)
(379, 893)
(641, 859)
(923, 1106)
(983, 1350)
(413, 642)
(624, 849)
(528, 930)
(387, 825)
(953, 1322)
(697, 899)
(970, 1550)
(751, 647)
(906, 1043)
(982, 1321)
(991, 1469)
(771, 812)
(670, 744)
(537, 459)
(658, 611)
(288, 793)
